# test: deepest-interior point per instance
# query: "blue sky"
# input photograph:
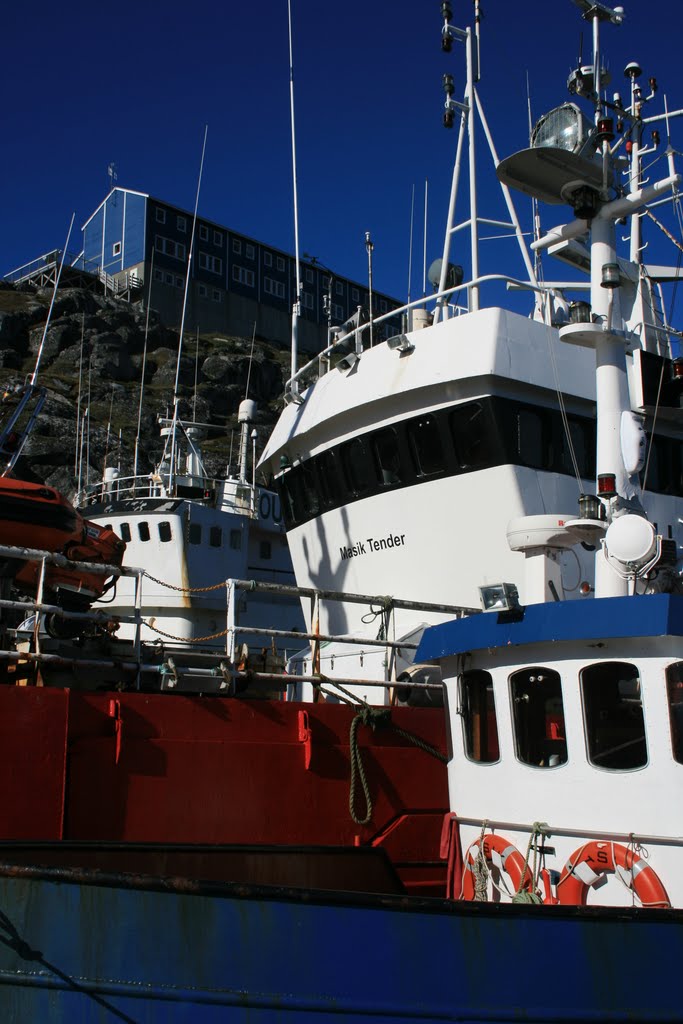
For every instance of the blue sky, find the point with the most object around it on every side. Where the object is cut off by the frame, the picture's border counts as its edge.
(87, 84)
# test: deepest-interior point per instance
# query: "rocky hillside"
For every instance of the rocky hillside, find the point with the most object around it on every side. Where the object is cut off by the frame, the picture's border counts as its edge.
(92, 359)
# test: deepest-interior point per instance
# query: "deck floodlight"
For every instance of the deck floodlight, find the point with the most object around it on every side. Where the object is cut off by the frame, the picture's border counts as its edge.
(499, 597)
(348, 361)
(401, 343)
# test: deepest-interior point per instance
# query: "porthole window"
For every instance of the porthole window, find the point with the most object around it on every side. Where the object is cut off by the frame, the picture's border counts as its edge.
(164, 532)
(538, 717)
(125, 532)
(143, 531)
(674, 689)
(194, 533)
(479, 717)
(613, 713)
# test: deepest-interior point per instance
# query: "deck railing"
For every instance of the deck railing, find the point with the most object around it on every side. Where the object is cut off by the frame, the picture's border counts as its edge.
(190, 666)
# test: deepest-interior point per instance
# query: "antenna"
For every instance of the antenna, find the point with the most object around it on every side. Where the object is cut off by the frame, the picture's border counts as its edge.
(424, 246)
(176, 396)
(369, 246)
(251, 357)
(410, 243)
(296, 307)
(144, 365)
(33, 376)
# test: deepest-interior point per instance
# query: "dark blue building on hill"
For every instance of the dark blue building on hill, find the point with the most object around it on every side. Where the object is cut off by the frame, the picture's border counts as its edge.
(235, 280)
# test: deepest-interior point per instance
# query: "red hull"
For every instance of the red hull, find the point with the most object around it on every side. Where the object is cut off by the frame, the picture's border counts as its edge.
(169, 769)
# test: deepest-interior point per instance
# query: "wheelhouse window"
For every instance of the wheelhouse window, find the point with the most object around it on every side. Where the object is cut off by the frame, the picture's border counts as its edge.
(479, 717)
(387, 456)
(215, 536)
(538, 717)
(613, 712)
(674, 690)
(358, 466)
(143, 531)
(425, 446)
(476, 440)
(330, 479)
(125, 532)
(164, 531)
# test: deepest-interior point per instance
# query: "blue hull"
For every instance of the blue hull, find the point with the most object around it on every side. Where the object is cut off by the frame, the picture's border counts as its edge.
(105, 948)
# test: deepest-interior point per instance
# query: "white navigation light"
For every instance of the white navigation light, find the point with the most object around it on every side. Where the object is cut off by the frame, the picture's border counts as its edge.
(632, 540)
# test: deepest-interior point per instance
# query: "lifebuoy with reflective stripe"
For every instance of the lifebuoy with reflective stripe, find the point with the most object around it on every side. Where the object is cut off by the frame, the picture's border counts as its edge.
(592, 861)
(499, 852)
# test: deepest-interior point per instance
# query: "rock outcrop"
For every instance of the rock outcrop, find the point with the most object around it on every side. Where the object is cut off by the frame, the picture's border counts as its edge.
(91, 361)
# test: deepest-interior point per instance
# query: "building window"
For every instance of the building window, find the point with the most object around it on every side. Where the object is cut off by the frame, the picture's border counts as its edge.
(237, 246)
(203, 233)
(339, 287)
(116, 249)
(160, 215)
(276, 288)
(337, 311)
(194, 533)
(280, 264)
(307, 300)
(215, 536)
(203, 291)
(143, 531)
(236, 540)
(479, 722)
(216, 295)
(249, 251)
(538, 717)
(267, 259)
(243, 275)
(170, 248)
(325, 281)
(265, 549)
(355, 295)
(218, 238)
(181, 223)
(309, 275)
(613, 714)
(212, 263)
(382, 305)
(170, 278)
(179, 282)
(164, 532)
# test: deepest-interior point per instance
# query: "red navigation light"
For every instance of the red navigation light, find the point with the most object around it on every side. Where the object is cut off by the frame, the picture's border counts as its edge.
(586, 588)
(607, 485)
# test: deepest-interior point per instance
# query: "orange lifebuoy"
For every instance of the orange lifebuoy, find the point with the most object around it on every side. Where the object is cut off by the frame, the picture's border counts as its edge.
(501, 853)
(593, 860)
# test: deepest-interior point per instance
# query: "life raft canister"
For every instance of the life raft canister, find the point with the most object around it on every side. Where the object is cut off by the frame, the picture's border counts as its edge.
(592, 861)
(500, 853)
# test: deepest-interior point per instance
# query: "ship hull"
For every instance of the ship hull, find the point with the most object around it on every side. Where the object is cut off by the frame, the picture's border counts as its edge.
(140, 948)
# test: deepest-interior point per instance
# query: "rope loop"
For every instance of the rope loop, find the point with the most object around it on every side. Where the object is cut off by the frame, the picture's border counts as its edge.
(532, 894)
